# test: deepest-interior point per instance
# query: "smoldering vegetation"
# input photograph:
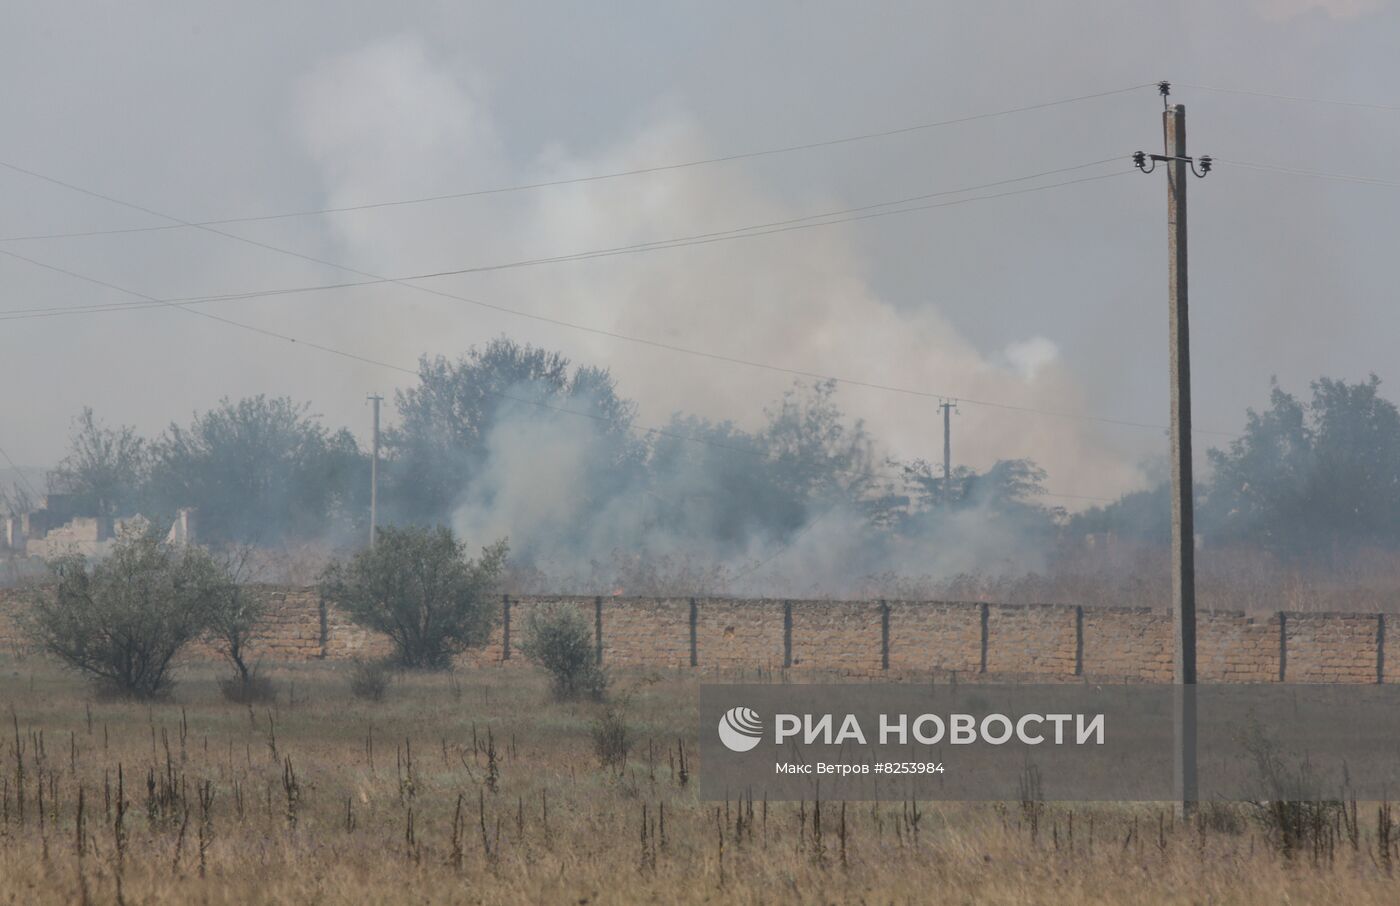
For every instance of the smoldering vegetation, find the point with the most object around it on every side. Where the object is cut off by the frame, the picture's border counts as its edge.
(1301, 509)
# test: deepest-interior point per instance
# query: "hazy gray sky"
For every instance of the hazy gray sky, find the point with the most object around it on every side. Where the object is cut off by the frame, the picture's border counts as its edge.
(1051, 299)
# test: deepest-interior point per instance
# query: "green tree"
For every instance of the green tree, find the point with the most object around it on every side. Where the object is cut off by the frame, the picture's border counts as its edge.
(260, 470)
(1311, 478)
(721, 487)
(122, 620)
(446, 421)
(1138, 515)
(818, 456)
(559, 639)
(417, 586)
(234, 628)
(105, 468)
(1005, 495)
(713, 483)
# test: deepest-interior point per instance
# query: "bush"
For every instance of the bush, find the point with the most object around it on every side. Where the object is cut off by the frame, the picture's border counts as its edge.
(369, 679)
(560, 640)
(248, 689)
(612, 739)
(1290, 807)
(417, 586)
(123, 620)
(233, 629)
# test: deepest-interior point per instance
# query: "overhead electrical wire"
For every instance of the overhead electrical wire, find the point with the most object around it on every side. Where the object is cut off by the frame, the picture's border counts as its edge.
(331, 350)
(149, 302)
(595, 177)
(805, 222)
(1311, 174)
(1288, 97)
(809, 221)
(19, 474)
(827, 218)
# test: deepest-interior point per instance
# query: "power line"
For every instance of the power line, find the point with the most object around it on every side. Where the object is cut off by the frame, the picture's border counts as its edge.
(596, 177)
(758, 229)
(1312, 174)
(810, 221)
(19, 473)
(796, 372)
(770, 229)
(321, 347)
(374, 280)
(829, 218)
(150, 302)
(331, 350)
(407, 280)
(765, 228)
(1289, 97)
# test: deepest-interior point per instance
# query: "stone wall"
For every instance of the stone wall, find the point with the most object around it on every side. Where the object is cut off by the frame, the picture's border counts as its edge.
(872, 638)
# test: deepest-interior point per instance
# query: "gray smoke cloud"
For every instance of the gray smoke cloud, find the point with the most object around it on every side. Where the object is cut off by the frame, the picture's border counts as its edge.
(1052, 300)
(801, 301)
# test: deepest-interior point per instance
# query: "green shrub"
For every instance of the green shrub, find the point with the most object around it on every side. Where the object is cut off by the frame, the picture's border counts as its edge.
(417, 586)
(559, 639)
(123, 619)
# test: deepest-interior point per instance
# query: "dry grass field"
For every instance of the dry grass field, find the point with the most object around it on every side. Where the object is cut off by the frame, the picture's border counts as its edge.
(476, 788)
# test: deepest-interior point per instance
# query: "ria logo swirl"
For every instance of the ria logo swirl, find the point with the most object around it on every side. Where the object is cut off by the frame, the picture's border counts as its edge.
(740, 729)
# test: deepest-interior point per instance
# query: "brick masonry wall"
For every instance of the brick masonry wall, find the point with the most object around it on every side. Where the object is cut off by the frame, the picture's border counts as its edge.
(1032, 641)
(937, 638)
(1128, 643)
(739, 634)
(868, 638)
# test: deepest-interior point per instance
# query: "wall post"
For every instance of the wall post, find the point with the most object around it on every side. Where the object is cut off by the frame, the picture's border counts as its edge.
(1078, 640)
(985, 610)
(694, 640)
(598, 629)
(323, 615)
(787, 634)
(884, 635)
(505, 627)
(1380, 648)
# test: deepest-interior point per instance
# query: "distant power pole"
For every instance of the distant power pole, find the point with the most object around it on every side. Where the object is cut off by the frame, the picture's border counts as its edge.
(1182, 498)
(374, 399)
(947, 406)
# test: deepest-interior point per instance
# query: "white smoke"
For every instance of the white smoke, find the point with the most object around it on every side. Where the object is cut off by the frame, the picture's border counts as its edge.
(389, 121)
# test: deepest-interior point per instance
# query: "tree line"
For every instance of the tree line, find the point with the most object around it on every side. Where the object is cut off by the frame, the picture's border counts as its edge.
(482, 433)
(1308, 479)
(267, 470)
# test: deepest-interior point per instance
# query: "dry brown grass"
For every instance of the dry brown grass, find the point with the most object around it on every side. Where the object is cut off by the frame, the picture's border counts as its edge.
(478, 787)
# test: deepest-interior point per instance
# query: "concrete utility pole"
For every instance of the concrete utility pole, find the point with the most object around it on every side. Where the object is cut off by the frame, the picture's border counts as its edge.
(1183, 515)
(1182, 498)
(374, 399)
(947, 451)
